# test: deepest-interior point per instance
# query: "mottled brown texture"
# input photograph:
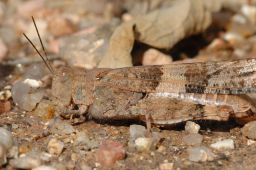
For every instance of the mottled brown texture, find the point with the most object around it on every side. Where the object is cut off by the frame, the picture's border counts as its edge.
(167, 93)
(226, 77)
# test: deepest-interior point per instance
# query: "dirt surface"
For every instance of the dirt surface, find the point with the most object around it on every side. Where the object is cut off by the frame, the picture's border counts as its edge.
(78, 33)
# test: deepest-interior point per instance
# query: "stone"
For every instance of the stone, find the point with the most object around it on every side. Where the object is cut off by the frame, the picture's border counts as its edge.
(61, 127)
(249, 130)
(250, 142)
(155, 57)
(26, 162)
(200, 154)
(55, 147)
(83, 141)
(137, 131)
(45, 109)
(192, 127)
(143, 144)
(250, 12)
(5, 106)
(6, 138)
(166, 166)
(193, 139)
(109, 152)
(26, 95)
(224, 144)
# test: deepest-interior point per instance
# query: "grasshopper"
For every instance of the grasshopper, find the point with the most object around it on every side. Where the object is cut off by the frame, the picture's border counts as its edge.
(163, 94)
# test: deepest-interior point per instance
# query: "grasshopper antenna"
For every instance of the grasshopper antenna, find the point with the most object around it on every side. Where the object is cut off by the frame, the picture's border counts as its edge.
(42, 45)
(45, 62)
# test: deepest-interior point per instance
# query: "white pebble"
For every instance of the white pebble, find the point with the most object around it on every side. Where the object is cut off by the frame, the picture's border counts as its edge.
(55, 147)
(200, 154)
(224, 144)
(238, 18)
(192, 127)
(143, 144)
(166, 166)
(33, 83)
(6, 138)
(44, 167)
(251, 142)
(232, 37)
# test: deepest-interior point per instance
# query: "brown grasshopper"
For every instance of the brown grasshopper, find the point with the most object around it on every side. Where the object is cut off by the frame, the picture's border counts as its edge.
(163, 94)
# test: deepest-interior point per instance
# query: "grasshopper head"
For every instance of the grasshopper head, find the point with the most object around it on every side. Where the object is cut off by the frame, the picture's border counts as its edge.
(69, 86)
(62, 86)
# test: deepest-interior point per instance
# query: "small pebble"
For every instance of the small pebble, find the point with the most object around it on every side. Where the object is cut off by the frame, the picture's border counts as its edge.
(250, 12)
(143, 144)
(249, 130)
(161, 149)
(193, 139)
(33, 83)
(61, 127)
(26, 96)
(192, 127)
(45, 109)
(166, 166)
(3, 153)
(26, 162)
(5, 106)
(13, 152)
(200, 154)
(155, 57)
(44, 167)
(250, 142)
(224, 144)
(232, 37)
(109, 152)
(6, 138)
(55, 147)
(217, 44)
(137, 131)
(82, 140)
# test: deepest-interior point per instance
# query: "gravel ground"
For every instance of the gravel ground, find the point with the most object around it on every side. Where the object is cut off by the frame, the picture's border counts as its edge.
(77, 33)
